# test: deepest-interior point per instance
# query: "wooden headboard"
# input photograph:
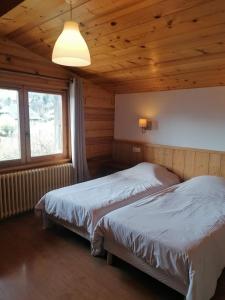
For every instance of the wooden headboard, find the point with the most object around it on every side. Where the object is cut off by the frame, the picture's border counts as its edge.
(186, 162)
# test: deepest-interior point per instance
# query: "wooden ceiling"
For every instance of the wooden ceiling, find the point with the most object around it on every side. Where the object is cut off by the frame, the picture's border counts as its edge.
(8, 5)
(135, 45)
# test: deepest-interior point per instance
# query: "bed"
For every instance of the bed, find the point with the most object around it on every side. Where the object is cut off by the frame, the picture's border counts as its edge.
(177, 235)
(79, 207)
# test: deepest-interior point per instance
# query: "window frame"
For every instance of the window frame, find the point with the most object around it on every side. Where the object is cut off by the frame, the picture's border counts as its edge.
(26, 161)
(13, 162)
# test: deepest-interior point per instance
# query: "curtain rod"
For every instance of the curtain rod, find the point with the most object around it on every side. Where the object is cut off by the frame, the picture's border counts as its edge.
(38, 75)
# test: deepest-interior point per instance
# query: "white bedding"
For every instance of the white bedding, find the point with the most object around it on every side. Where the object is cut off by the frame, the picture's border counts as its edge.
(180, 231)
(85, 203)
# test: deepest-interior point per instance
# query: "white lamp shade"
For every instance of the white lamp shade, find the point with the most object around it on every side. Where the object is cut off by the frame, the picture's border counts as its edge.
(70, 48)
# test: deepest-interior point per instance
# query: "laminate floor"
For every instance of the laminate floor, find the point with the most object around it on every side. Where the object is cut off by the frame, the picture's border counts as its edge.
(56, 264)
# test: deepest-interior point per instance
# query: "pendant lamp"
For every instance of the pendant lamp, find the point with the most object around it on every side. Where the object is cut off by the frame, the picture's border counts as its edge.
(70, 48)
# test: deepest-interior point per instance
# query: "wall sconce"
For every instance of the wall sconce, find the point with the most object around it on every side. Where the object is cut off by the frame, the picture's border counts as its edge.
(144, 124)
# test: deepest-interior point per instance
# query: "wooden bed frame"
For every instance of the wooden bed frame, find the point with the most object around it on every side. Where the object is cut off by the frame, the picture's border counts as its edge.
(113, 248)
(48, 220)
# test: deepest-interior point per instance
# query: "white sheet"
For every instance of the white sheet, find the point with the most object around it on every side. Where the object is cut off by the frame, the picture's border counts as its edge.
(180, 231)
(85, 203)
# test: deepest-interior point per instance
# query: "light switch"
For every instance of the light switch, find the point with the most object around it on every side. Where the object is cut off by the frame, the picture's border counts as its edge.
(136, 149)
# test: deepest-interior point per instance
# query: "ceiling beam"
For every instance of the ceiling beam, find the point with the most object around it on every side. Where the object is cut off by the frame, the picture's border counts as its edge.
(7, 5)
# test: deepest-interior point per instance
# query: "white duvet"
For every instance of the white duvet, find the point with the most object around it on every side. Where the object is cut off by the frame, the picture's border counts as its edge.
(85, 203)
(180, 231)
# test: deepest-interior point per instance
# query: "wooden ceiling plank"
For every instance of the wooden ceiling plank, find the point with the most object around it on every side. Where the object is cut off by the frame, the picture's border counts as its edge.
(165, 68)
(58, 11)
(53, 28)
(202, 16)
(189, 81)
(120, 13)
(157, 35)
(136, 62)
(18, 16)
(31, 14)
(135, 45)
(43, 32)
(42, 15)
(202, 35)
(8, 5)
(149, 14)
(163, 77)
(211, 45)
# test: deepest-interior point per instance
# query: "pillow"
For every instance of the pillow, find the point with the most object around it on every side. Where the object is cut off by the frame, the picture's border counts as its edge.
(206, 184)
(154, 173)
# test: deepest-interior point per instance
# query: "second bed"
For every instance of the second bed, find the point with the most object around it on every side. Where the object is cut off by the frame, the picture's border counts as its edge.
(176, 235)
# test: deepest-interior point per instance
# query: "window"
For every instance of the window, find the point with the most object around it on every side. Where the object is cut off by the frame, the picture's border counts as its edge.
(9, 125)
(45, 118)
(33, 126)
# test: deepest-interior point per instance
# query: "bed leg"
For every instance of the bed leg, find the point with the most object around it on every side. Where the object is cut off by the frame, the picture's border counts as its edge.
(46, 223)
(109, 258)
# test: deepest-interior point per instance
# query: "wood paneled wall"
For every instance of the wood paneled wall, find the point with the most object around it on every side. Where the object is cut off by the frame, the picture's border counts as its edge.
(99, 103)
(99, 124)
(20, 66)
(186, 162)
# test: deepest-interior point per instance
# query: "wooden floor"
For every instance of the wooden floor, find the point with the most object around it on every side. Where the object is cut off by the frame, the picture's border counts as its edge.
(55, 264)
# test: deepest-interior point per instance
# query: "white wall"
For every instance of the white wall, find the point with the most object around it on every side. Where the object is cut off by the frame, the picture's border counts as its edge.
(188, 118)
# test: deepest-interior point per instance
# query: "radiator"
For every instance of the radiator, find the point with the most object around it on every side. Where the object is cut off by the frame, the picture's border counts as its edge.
(20, 191)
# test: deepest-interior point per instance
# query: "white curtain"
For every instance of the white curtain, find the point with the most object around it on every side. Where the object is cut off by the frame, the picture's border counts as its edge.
(78, 145)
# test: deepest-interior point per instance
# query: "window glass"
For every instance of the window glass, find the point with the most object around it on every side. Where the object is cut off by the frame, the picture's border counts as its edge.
(45, 122)
(9, 125)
